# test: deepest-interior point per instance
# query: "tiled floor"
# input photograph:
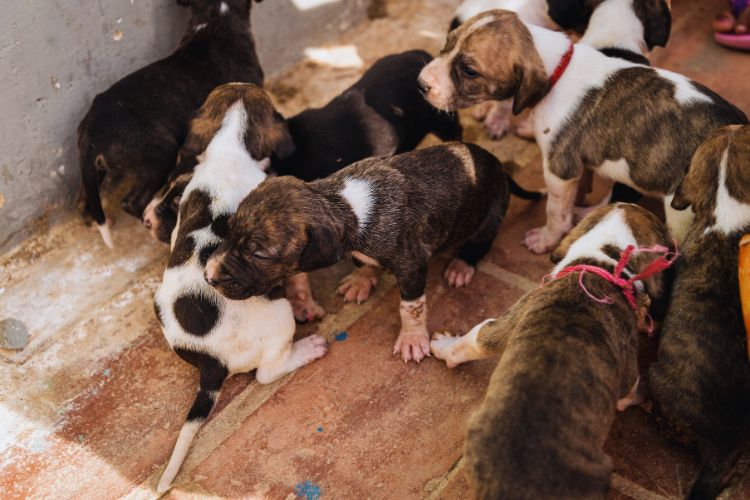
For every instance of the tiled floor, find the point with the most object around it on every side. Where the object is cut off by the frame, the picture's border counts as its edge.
(91, 408)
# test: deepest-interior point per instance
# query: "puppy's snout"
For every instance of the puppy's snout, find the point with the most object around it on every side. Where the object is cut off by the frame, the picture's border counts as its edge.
(424, 87)
(147, 222)
(213, 274)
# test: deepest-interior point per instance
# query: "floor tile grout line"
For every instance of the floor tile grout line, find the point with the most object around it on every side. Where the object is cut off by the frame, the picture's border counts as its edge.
(509, 277)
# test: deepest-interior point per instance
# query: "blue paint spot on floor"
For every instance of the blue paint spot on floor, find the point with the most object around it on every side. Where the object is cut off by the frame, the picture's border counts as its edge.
(307, 490)
(319, 429)
(107, 372)
(340, 337)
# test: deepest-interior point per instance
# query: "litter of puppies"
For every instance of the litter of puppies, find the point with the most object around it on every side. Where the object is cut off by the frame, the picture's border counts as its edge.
(251, 202)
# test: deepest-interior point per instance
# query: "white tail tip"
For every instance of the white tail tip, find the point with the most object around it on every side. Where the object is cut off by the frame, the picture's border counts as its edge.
(106, 234)
(187, 434)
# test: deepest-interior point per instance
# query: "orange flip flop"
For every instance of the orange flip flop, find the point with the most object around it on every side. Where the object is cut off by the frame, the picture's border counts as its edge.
(744, 275)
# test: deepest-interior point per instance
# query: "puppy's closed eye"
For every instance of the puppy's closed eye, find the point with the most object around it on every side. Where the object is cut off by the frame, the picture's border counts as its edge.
(469, 72)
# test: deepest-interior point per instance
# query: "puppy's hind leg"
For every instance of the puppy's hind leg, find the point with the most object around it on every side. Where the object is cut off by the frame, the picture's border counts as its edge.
(486, 339)
(292, 356)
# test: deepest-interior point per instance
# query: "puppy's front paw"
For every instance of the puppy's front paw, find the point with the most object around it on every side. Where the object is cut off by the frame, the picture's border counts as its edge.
(310, 348)
(541, 240)
(525, 130)
(497, 122)
(459, 273)
(358, 285)
(441, 346)
(413, 345)
(304, 307)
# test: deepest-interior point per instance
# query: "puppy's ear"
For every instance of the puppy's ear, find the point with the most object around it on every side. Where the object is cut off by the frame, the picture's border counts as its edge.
(270, 138)
(184, 3)
(656, 18)
(323, 248)
(684, 196)
(531, 84)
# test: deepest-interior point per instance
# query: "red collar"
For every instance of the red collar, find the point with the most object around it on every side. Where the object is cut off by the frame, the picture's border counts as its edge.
(561, 66)
(626, 285)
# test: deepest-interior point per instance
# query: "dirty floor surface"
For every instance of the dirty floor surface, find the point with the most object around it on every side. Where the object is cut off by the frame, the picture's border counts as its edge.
(91, 408)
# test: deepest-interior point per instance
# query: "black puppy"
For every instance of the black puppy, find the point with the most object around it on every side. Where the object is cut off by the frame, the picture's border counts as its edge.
(394, 212)
(137, 126)
(381, 114)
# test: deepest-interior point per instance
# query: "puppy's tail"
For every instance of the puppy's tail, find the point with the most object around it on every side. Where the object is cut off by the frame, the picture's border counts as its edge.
(517, 190)
(93, 169)
(212, 378)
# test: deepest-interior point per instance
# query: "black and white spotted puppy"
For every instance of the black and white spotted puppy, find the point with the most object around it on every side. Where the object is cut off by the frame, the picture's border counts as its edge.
(218, 336)
(628, 122)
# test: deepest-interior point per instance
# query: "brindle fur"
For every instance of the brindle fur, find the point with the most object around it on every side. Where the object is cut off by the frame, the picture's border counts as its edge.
(659, 140)
(298, 226)
(381, 114)
(701, 381)
(137, 126)
(565, 361)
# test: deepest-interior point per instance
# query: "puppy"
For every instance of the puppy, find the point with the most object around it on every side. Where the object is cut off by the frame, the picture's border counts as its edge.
(379, 210)
(137, 126)
(567, 361)
(629, 122)
(381, 114)
(222, 337)
(618, 28)
(701, 381)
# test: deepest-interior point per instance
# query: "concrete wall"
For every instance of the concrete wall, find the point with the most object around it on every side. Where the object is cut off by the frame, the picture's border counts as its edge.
(56, 55)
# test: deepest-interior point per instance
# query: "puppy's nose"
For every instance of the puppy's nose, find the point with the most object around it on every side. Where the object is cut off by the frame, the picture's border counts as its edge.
(423, 85)
(147, 222)
(211, 281)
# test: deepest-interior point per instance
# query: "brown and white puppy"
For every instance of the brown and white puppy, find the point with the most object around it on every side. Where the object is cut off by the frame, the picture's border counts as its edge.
(222, 337)
(566, 363)
(136, 127)
(379, 210)
(701, 381)
(628, 122)
(618, 28)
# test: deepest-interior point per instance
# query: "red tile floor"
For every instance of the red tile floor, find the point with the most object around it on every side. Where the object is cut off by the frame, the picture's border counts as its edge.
(91, 408)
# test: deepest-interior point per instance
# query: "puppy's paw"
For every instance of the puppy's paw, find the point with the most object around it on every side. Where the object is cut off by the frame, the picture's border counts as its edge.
(459, 273)
(358, 285)
(305, 308)
(310, 348)
(541, 240)
(442, 345)
(412, 345)
(497, 123)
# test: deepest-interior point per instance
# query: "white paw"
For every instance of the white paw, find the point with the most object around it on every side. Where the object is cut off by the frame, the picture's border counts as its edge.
(310, 348)
(414, 345)
(459, 273)
(441, 346)
(357, 287)
(524, 129)
(540, 240)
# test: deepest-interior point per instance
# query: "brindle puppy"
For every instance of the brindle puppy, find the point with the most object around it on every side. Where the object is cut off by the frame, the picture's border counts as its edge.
(631, 123)
(137, 126)
(701, 381)
(379, 210)
(566, 363)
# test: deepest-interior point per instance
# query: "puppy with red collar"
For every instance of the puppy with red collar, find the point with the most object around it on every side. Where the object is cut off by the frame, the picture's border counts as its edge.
(223, 337)
(381, 211)
(701, 380)
(628, 122)
(618, 28)
(568, 359)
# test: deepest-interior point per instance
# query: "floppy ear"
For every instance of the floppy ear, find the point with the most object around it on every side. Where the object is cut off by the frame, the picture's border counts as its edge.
(684, 196)
(270, 139)
(531, 85)
(657, 21)
(323, 248)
